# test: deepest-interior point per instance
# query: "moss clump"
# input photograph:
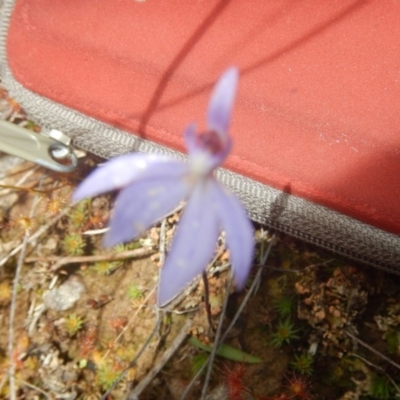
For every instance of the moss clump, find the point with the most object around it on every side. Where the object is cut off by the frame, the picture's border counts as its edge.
(73, 323)
(285, 333)
(73, 244)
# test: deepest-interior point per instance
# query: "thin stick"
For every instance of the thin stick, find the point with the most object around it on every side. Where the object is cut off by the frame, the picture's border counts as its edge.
(11, 369)
(36, 235)
(13, 307)
(11, 174)
(217, 342)
(182, 335)
(130, 321)
(60, 261)
(47, 395)
(235, 318)
(377, 368)
(367, 346)
(174, 211)
(29, 172)
(178, 298)
(138, 355)
(30, 190)
(207, 300)
(250, 291)
(93, 232)
(208, 361)
(162, 241)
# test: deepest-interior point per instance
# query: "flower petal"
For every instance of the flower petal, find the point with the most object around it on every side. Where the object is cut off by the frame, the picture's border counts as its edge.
(122, 170)
(142, 204)
(193, 245)
(221, 102)
(238, 230)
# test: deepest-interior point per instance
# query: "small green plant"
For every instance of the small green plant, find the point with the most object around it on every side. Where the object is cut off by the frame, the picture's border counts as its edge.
(120, 248)
(107, 374)
(285, 333)
(79, 214)
(55, 205)
(73, 323)
(135, 293)
(284, 306)
(133, 245)
(198, 361)
(25, 223)
(381, 388)
(106, 267)
(303, 363)
(73, 244)
(226, 351)
(392, 338)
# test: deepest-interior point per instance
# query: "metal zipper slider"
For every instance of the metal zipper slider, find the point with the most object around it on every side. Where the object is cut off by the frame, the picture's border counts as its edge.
(51, 151)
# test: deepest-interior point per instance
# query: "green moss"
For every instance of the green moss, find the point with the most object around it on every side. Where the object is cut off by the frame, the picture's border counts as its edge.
(79, 214)
(107, 374)
(285, 333)
(381, 388)
(73, 323)
(73, 244)
(392, 338)
(284, 306)
(198, 361)
(303, 363)
(134, 293)
(106, 267)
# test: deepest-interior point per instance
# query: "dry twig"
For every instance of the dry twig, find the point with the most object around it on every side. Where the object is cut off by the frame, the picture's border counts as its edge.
(11, 370)
(367, 346)
(134, 395)
(251, 290)
(138, 355)
(146, 299)
(36, 235)
(61, 261)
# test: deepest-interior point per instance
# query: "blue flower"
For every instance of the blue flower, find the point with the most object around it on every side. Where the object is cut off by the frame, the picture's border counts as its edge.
(153, 185)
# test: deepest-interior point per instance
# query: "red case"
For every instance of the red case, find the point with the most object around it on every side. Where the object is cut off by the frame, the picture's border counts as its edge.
(316, 125)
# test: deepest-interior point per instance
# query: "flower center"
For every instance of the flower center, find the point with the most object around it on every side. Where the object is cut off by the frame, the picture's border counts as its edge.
(200, 166)
(211, 142)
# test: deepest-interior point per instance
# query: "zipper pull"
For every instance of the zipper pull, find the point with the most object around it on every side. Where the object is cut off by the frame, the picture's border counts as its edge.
(51, 150)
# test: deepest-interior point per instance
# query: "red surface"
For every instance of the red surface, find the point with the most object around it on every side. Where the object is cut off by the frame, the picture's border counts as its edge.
(318, 109)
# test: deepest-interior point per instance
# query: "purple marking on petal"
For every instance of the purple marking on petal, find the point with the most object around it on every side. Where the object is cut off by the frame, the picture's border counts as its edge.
(221, 102)
(193, 245)
(122, 170)
(238, 230)
(142, 204)
(216, 149)
(190, 138)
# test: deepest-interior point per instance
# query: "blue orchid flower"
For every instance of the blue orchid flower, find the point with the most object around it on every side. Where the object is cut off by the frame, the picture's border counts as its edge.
(153, 185)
